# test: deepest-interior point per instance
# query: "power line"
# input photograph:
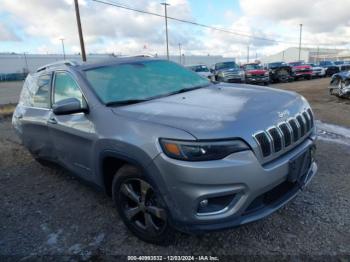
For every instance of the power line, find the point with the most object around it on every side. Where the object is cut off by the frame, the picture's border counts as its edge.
(192, 23)
(246, 35)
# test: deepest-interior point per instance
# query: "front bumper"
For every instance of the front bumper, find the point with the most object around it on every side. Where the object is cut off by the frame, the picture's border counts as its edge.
(239, 175)
(253, 79)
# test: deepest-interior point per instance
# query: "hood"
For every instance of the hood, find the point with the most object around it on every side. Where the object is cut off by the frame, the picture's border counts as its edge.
(205, 74)
(256, 71)
(219, 111)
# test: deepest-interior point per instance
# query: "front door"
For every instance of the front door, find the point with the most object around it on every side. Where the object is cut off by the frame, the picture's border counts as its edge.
(72, 134)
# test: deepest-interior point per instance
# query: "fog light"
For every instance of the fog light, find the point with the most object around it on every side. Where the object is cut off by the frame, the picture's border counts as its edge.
(203, 203)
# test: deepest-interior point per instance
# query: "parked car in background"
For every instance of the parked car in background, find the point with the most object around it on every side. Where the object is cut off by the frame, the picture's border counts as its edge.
(301, 70)
(172, 149)
(340, 84)
(202, 70)
(229, 72)
(330, 67)
(256, 74)
(279, 72)
(317, 71)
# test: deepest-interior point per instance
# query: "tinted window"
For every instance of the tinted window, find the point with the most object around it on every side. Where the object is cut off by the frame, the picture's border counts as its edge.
(199, 68)
(224, 65)
(66, 87)
(141, 80)
(253, 67)
(42, 95)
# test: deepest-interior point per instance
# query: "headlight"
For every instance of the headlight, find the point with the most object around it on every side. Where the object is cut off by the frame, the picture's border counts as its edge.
(248, 74)
(201, 151)
(266, 73)
(241, 73)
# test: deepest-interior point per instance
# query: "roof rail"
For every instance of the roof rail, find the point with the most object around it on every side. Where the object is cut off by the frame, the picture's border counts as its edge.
(59, 63)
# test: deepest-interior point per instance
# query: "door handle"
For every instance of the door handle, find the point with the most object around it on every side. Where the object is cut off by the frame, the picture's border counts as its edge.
(52, 120)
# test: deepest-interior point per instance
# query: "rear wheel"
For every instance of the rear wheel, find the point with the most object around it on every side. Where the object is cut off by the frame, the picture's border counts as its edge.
(140, 206)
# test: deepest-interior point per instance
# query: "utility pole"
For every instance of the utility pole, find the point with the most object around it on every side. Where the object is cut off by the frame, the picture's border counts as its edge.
(247, 53)
(81, 39)
(301, 29)
(283, 56)
(180, 53)
(64, 53)
(318, 52)
(166, 28)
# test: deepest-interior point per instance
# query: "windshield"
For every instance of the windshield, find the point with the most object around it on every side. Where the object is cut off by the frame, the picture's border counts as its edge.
(296, 63)
(199, 68)
(326, 63)
(253, 67)
(141, 80)
(277, 64)
(224, 65)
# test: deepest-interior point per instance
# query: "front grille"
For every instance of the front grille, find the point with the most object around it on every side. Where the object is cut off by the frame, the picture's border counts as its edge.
(276, 139)
(231, 75)
(311, 118)
(302, 125)
(295, 129)
(284, 134)
(264, 143)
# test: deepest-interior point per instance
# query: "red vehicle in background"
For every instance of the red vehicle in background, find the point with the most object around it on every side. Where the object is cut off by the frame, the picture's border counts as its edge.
(256, 74)
(301, 70)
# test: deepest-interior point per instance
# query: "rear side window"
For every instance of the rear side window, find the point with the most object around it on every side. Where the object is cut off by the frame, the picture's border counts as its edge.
(42, 96)
(66, 87)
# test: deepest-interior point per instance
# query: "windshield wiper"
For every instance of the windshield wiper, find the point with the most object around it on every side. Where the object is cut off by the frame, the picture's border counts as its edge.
(126, 102)
(183, 90)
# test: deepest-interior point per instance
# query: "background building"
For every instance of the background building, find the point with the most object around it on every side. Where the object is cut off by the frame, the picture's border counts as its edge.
(24, 63)
(310, 55)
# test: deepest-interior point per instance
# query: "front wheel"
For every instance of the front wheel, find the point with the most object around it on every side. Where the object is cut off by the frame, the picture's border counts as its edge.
(140, 206)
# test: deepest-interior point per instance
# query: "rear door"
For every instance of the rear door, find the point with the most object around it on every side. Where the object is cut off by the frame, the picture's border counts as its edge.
(72, 134)
(33, 113)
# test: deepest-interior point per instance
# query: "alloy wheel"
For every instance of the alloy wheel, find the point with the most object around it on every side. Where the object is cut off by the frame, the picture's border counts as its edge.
(141, 206)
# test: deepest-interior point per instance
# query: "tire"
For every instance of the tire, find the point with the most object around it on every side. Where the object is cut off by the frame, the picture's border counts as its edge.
(309, 77)
(140, 206)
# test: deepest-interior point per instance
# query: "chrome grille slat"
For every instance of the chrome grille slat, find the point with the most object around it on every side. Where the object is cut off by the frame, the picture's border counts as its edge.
(285, 134)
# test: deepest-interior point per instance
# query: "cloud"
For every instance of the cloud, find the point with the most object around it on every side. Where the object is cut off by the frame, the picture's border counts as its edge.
(111, 29)
(6, 34)
(318, 16)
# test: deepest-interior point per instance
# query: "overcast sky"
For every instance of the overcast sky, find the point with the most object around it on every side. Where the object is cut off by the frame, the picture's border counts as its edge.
(35, 26)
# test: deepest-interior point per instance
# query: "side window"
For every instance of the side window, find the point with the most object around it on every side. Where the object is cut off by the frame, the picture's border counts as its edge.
(41, 97)
(66, 87)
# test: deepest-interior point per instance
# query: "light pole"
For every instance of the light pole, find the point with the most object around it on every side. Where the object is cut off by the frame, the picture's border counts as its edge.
(26, 61)
(247, 53)
(301, 29)
(81, 39)
(166, 28)
(180, 53)
(64, 53)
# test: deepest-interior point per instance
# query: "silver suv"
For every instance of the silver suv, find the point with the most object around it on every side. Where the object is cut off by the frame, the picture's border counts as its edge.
(172, 149)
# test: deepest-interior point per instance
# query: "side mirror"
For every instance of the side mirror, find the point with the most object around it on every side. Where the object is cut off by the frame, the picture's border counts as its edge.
(68, 106)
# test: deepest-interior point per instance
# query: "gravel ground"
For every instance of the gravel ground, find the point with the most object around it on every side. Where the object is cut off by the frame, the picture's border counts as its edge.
(46, 212)
(9, 91)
